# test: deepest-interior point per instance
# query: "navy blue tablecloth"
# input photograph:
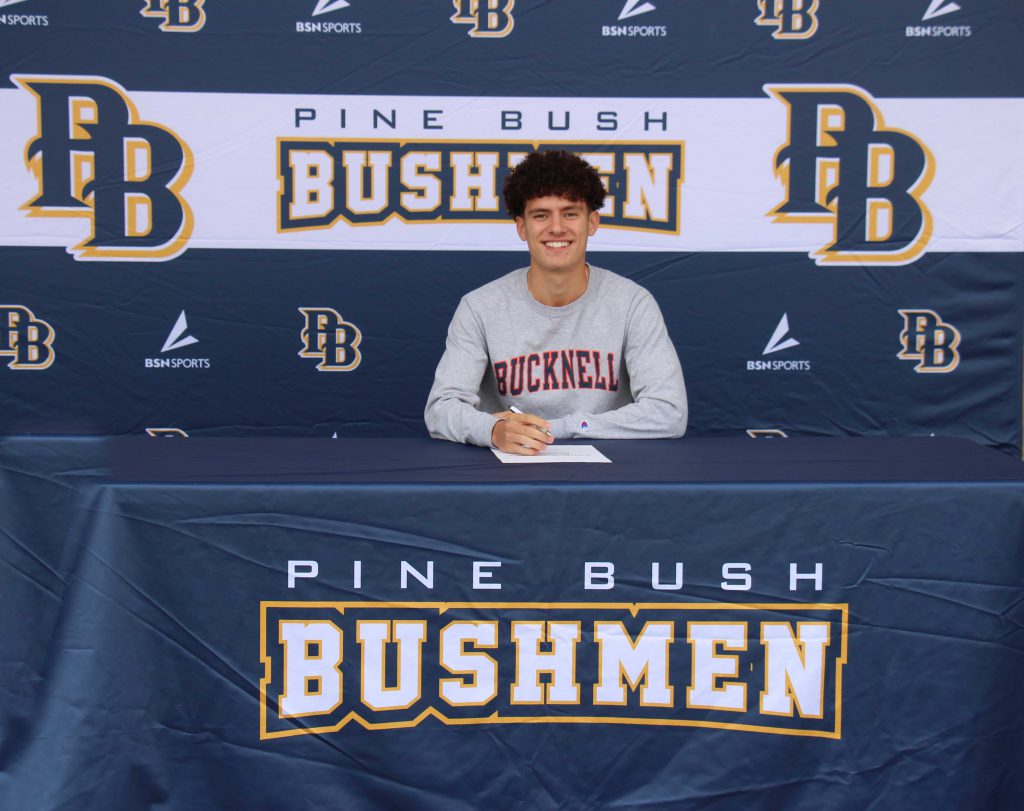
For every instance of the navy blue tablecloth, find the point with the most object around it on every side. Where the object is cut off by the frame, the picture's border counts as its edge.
(425, 461)
(149, 612)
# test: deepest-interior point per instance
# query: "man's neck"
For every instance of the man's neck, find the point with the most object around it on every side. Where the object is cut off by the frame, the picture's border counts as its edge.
(558, 289)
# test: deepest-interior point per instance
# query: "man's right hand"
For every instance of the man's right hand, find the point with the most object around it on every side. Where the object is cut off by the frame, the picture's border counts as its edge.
(520, 433)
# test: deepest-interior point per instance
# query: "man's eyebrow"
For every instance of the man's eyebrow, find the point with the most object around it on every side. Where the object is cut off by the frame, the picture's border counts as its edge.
(545, 209)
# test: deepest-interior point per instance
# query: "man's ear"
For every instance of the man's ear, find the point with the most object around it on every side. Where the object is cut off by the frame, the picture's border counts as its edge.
(521, 228)
(594, 220)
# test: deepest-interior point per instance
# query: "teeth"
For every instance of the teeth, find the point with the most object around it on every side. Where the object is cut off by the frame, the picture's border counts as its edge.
(557, 244)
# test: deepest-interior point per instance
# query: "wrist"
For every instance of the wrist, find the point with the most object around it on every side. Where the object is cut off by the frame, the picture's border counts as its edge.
(494, 430)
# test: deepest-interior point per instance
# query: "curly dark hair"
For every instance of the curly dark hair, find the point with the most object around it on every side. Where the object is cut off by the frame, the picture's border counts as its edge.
(554, 172)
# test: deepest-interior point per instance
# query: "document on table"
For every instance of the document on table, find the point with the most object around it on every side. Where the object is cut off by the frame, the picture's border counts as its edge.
(555, 453)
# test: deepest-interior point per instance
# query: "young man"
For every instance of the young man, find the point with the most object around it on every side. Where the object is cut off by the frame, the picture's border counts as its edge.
(580, 351)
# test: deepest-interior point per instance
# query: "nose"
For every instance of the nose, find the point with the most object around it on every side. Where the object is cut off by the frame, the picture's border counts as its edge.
(557, 224)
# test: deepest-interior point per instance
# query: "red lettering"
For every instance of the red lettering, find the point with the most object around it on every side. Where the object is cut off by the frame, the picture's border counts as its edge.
(550, 379)
(568, 372)
(582, 361)
(515, 382)
(532, 384)
(599, 381)
(500, 373)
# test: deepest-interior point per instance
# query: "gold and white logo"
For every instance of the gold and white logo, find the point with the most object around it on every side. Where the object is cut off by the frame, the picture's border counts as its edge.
(329, 338)
(929, 341)
(25, 339)
(486, 18)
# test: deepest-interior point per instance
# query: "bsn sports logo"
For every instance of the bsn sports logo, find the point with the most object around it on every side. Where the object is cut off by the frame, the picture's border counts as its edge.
(930, 341)
(370, 181)
(179, 16)
(634, 8)
(791, 19)
(779, 342)
(327, 6)
(488, 18)
(27, 340)
(328, 26)
(29, 20)
(330, 339)
(939, 8)
(93, 157)
(780, 339)
(841, 165)
(178, 338)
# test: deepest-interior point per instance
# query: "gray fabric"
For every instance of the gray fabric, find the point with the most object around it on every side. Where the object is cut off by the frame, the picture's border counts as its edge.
(501, 339)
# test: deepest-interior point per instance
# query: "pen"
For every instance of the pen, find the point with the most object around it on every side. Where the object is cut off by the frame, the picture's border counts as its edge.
(515, 410)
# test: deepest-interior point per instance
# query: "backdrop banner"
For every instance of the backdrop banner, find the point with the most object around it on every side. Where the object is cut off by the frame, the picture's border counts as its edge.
(257, 218)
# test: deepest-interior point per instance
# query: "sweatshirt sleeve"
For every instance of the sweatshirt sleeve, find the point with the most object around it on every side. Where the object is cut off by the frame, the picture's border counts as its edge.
(452, 410)
(659, 408)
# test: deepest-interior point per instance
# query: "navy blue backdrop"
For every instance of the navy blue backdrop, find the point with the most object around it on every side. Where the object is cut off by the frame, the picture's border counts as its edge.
(835, 239)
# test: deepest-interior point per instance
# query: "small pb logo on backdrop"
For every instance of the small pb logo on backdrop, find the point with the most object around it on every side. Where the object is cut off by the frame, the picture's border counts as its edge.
(791, 19)
(330, 339)
(95, 158)
(178, 16)
(488, 18)
(27, 340)
(930, 341)
(842, 165)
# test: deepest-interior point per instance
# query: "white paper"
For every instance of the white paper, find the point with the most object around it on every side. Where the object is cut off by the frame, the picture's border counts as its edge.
(555, 453)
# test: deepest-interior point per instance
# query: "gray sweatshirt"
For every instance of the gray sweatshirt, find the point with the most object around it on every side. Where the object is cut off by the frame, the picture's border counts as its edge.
(602, 367)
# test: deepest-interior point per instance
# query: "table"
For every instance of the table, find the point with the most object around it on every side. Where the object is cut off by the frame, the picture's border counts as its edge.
(701, 624)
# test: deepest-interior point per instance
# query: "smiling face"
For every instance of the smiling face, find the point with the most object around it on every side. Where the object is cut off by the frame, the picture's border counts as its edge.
(556, 230)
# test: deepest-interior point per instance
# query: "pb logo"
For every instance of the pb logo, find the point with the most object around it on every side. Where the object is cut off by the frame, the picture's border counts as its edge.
(179, 16)
(330, 338)
(94, 157)
(792, 19)
(841, 165)
(930, 341)
(26, 339)
(489, 18)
